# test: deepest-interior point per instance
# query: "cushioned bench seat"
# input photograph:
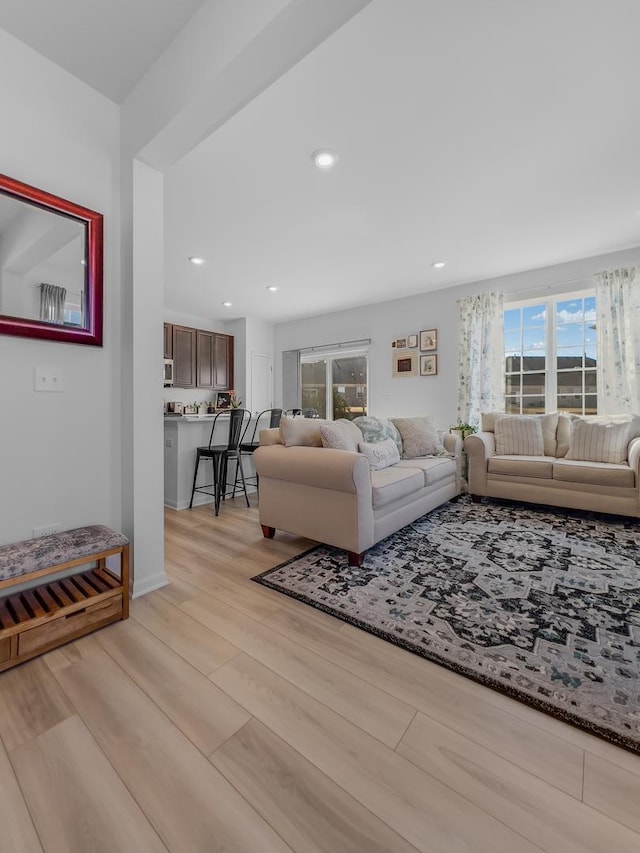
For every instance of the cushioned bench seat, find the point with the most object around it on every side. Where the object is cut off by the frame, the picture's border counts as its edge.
(48, 552)
(43, 616)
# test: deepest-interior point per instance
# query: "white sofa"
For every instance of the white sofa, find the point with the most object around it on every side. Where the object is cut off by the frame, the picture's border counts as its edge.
(333, 496)
(554, 477)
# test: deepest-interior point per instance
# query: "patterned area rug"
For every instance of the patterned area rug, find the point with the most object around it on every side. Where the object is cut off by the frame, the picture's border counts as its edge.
(539, 603)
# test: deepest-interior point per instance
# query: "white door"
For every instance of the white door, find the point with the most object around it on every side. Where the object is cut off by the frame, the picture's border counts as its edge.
(261, 382)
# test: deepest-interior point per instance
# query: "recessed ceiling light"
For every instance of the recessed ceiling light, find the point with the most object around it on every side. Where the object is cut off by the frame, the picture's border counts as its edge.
(272, 288)
(324, 159)
(438, 265)
(227, 304)
(197, 261)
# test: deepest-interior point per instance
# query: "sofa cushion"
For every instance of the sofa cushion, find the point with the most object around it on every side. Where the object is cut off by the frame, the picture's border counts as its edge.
(377, 429)
(594, 473)
(419, 437)
(391, 484)
(434, 469)
(522, 466)
(341, 435)
(563, 434)
(380, 454)
(519, 436)
(301, 432)
(548, 422)
(269, 436)
(599, 440)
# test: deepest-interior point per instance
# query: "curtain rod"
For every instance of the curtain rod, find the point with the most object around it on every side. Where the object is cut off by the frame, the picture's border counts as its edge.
(582, 278)
(340, 345)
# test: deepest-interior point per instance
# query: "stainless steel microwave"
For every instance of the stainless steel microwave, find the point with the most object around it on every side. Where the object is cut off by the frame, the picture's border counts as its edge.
(168, 371)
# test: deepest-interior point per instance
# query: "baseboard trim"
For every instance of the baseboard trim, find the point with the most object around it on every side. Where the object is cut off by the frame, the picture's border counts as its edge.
(149, 584)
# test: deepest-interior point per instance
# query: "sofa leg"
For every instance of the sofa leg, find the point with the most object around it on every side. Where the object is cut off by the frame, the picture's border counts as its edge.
(355, 559)
(476, 498)
(268, 532)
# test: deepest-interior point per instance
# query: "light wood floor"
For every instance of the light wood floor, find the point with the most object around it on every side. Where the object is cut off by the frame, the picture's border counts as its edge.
(225, 717)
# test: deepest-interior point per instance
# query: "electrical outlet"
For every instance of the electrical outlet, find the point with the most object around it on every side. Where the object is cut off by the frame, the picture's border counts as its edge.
(47, 530)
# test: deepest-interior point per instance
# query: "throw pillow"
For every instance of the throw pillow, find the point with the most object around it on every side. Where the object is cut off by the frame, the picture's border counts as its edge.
(563, 434)
(380, 454)
(598, 441)
(303, 432)
(341, 435)
(377, 429)
(519, 436)
(549, 428)
(419, 437)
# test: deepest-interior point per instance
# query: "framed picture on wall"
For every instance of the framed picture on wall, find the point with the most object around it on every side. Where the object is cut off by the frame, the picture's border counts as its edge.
(399, 343)
(428, 365)
(412, 341)
(429, 340)
(404, 363)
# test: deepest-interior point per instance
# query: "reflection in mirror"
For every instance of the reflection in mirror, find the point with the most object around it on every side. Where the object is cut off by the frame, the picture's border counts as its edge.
(42, 264)
(50, 266)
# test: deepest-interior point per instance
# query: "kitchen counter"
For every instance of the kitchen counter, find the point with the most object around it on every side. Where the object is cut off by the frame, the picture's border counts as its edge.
(182, 435)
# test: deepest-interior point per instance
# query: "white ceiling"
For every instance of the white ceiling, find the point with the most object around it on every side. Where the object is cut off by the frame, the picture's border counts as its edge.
(498, 135)
(109, 44)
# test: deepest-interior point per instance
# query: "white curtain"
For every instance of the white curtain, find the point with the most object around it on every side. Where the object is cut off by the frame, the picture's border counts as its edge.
(52, 299)
(481, 356)
(618, 336)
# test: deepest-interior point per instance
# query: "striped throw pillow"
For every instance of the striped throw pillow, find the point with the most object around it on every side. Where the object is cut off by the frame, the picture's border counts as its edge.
(519, 436)
(599, 442)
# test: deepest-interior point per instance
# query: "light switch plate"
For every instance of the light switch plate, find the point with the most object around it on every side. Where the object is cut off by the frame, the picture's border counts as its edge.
(48, 379)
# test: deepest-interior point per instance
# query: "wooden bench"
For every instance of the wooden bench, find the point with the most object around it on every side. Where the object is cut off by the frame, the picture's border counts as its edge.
(54, 612)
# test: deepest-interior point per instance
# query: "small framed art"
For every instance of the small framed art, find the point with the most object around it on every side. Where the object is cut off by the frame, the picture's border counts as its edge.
(399, 343)
(223, 400)
(412, 341)
(428, 365)
(404, 363)
(429, 340)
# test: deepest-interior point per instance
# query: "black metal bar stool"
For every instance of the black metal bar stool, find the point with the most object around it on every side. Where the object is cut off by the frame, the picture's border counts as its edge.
(220, 455)
(249, 443)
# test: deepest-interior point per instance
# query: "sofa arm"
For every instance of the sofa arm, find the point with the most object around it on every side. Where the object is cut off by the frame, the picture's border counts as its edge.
(633, 457)
(479, 448)
(318, 493)
(452, 443)
(339, 470)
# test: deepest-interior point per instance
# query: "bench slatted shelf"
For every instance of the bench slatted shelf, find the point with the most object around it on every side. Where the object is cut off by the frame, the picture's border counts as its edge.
(54, 612)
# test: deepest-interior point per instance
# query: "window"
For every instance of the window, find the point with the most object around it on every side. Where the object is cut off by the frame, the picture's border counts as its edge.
(334, 384)
(550, 356)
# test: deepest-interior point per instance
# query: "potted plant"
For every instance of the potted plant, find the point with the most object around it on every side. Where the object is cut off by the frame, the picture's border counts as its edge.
(211, 407)
(236, 402)
(463, 429)
(203, 407)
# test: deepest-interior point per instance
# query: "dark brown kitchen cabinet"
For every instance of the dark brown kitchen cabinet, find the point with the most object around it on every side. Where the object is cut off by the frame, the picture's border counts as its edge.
(204, 359)
(223, 362)
(214, 361)
(168, 340)
(184, 357)
(201, 359)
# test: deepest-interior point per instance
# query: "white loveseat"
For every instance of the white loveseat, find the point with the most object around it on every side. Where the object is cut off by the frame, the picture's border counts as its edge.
(333, 496)
(558, 476)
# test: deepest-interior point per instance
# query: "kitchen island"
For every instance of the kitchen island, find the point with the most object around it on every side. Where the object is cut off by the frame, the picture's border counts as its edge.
(182, 435)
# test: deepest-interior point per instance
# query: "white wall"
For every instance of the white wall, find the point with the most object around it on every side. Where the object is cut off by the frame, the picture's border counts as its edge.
(59, 453)
(385, 321)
